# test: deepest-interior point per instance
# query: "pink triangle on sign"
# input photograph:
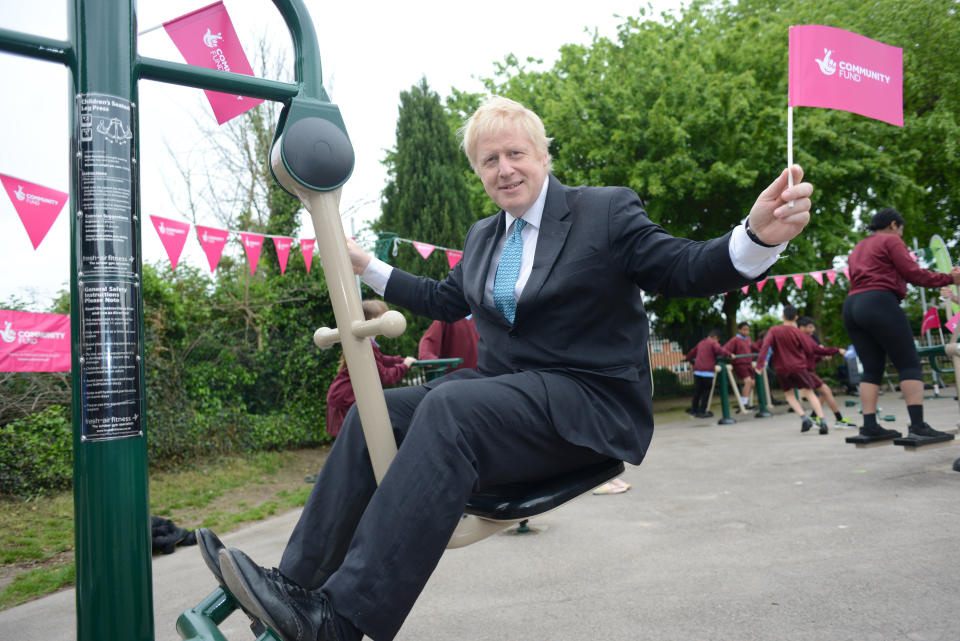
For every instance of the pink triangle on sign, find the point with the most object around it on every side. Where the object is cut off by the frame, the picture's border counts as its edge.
(745, 289)
(306, 246)
(832, 276)
(36, 205)
(798, 279)
(453, 257)
(252, 244)
(173, 236)
(282, 245)
(760, 284)
(779, 280)
(212, 241)
(817, 276)
(424, 249)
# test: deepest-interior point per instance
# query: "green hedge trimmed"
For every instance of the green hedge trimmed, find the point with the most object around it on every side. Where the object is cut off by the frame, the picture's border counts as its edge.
(36, 453)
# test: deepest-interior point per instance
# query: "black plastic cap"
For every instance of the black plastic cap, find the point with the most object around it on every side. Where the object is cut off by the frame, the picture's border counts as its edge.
(317, 153)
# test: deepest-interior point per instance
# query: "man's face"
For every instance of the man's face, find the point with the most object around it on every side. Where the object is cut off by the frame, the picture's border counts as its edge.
(511, 169)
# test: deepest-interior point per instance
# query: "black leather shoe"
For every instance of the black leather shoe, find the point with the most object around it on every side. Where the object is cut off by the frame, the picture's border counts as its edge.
(823, 425)
(806, 424)
(925, 431)
(294, 613)
(210, 546)
(879, 432)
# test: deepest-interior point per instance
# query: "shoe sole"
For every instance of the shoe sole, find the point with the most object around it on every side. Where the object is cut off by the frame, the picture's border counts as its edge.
(213, 564)
(237, 586)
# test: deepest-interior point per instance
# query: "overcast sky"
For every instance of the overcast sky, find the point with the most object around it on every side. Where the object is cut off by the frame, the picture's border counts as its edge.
(370, 52)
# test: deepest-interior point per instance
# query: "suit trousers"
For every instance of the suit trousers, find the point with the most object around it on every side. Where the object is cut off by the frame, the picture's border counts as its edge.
(371, 549)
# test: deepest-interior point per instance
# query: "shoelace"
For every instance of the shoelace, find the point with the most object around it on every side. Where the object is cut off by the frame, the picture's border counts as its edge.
(290, 586)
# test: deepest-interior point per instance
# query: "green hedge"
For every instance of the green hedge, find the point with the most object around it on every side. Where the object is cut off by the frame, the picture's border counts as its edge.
(36, 453)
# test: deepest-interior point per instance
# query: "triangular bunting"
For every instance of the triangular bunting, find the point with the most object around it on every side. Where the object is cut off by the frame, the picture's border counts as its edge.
(425, 249)
(453, 257)
(282, 245)
(745, 289)
(252, 244)
(36, 205)
(817, 276)
(306, 247)
(832, 276)
(173, 236)
(779, 280)
(798, 279)
(846, 272)
(952, 323)
(212, 241)
(760, 284)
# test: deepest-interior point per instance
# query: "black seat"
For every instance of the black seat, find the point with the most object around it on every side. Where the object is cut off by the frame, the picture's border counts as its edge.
(524, 500)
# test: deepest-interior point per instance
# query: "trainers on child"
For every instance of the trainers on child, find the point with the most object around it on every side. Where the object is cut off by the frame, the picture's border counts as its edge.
(822, 422)
(879, 432)
(806, 424)
(845, 424)
(925, 431)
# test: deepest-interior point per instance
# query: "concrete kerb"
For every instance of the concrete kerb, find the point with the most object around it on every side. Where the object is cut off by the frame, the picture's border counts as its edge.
(743, 531)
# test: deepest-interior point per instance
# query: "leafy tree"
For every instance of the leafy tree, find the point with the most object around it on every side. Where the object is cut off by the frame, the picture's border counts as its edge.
(425, 198)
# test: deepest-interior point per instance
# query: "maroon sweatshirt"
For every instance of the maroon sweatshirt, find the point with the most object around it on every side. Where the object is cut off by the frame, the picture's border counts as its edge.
(340, 394)
(450, 340)
(792, 349)
(704, 355)
(882, 261)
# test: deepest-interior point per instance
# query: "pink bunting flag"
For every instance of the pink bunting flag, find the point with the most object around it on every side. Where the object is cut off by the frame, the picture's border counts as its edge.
(425, 249)
(931, 320)
(282, 245)
(760, 284)
(846, 272)
(817, 276)
(206, 38)
(838, 69)
(453, 257)
(779, 280)
(798, 279)
(745, 289)
(32, 342)
(173, 236)
(306, 247)
(36, 205)
(952, 323)
(212, 241)
(252, 244)
(832, 276)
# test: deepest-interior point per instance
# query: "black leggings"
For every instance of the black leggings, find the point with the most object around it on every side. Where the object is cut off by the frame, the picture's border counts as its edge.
(701, 393)
(878, 328)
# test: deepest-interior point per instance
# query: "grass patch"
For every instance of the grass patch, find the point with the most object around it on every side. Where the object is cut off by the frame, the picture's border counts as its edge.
(36, 536)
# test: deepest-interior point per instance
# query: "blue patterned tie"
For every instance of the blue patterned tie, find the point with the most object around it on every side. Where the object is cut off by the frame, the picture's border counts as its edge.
(507, 272)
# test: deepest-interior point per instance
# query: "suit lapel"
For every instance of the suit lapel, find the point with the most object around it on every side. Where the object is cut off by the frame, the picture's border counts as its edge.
(478, 267)
(554, 227)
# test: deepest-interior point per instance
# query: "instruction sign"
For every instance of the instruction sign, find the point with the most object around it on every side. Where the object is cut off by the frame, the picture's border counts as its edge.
(108, 275)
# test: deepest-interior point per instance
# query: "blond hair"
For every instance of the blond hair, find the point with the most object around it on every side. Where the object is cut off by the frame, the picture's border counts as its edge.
(497, 114)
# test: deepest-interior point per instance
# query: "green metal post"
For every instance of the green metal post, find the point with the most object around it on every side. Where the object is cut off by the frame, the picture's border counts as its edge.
(111, 507)
(722, 382)
(762, 411)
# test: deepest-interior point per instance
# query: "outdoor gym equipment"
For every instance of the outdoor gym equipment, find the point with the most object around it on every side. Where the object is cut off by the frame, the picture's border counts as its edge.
(724, 377)
(312, 158)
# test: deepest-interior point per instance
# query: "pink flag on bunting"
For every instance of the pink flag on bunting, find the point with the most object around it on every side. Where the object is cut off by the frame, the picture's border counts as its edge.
(252, 244)
(212, 241)
(282, 245)
(952, 323)
(306, 247)
(453, 257)
(931, 320)
(779, 280)
(760, 284)
(173, 236)
(424, 249)
(745, 289)
(832, 276)
(206, 38)
(31, 342)
(36, 205)
(839, 69)
(798, 279)
(846, 272)
(817, 276)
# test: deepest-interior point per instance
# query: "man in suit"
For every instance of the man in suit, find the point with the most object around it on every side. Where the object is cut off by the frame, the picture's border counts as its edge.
(553, 281)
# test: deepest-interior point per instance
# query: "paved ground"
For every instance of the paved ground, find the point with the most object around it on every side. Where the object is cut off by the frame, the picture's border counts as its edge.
(731, 532)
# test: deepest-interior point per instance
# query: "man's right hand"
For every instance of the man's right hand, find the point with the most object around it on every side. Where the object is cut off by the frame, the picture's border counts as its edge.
(358, 257)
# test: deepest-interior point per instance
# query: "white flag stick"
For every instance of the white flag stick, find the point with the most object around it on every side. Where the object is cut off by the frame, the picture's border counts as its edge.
(790, 148)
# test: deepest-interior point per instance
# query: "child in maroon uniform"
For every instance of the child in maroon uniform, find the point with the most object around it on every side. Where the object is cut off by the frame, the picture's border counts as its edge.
(704, 357)
(791, 349)
(808, 327)
(742, 367)
(450, 340)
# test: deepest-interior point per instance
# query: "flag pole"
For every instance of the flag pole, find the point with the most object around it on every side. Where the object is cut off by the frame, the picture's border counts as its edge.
(790, 148)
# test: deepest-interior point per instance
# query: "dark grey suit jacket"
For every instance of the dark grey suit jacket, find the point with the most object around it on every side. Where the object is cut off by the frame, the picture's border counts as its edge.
(580, 314)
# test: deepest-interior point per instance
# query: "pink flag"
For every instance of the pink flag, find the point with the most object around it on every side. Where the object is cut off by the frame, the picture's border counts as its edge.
(32, 342)
(952, 323)
(282, 245)
(832, 276)
(817, 276)
(453, 257)
(173, 235)
(212, 241)
(839, 69)
(206, 38)
(306, 246)
(779, 280)
(252, 244)
(745, 289)
(846, 272)
(36, 205)
(424, 249)
(930, 320)
(798, 279)
(760, 284)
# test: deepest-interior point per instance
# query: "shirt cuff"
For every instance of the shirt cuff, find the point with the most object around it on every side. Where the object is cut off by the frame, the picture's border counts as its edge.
(749, 258)
(376, 275)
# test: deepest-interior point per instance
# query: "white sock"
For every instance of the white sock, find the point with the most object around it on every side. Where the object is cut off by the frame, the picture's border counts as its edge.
(744, 400)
